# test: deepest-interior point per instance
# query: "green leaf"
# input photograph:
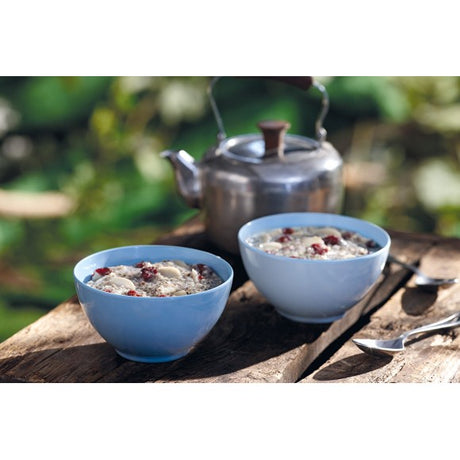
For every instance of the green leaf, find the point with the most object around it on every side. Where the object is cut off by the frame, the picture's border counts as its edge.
(51, 103)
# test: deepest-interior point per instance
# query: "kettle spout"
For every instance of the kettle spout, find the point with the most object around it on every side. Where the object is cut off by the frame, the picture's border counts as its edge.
(187, 176)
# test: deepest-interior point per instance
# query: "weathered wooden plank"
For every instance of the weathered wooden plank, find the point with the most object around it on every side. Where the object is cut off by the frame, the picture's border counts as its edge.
(250, 343)
(30, 354)
(429, 358)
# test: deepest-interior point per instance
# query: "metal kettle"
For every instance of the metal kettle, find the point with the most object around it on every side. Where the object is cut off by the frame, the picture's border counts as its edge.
(251, 175)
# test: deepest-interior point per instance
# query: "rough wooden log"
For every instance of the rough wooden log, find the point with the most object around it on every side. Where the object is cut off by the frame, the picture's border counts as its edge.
(34, 205)
(250, 343)
(429, 358)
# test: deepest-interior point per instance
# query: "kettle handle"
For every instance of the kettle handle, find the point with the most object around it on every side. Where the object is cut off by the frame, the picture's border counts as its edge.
(303, 83)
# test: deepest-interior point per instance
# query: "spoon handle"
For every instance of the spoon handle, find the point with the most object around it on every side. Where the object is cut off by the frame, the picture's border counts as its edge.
(403, 264)
(450, 321)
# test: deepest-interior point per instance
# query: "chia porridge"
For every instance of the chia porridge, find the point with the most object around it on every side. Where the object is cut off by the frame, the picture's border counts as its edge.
(313, 243)
(155, 279)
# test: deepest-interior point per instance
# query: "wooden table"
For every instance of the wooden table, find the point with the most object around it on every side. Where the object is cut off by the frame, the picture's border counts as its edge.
(252, 343)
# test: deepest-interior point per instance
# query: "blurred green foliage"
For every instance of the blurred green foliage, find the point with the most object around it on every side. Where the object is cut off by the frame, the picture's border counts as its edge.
(96, 141)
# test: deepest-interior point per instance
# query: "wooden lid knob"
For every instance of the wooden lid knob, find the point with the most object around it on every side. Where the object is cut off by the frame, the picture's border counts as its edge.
(273, 132)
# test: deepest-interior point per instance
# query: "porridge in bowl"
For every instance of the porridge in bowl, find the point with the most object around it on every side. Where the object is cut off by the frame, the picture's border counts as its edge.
(322, 265)
(155, 279)
(311, 242)
(153, 329)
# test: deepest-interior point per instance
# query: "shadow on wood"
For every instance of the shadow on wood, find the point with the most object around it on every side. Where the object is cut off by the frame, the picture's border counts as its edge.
(248, 333)
(350, 366)
(416, 301)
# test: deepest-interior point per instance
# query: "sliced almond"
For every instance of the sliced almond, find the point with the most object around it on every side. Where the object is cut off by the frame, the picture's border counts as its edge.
(326, 231)
(271, 246)
(168, 290)
(96, 276)
(195, 275)
(309, 240)
(169, 272)
(182, 264)
(117, 281)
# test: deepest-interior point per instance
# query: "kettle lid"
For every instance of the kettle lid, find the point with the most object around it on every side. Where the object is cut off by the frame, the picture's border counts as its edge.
(273, 142)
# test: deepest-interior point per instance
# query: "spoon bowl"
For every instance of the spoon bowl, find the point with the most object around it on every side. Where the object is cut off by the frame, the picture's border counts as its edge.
(392, 346)
(380, 347)
(427, 281)
(423, 280)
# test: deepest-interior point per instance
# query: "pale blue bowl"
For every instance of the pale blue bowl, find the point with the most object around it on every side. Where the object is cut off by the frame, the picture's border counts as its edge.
(152, 329)
(312, 291)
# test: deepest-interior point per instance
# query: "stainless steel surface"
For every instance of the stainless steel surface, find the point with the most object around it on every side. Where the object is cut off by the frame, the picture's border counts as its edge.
(422, 279)
(236, 193)
(392, 346)
(320, 131)
(220, 124)
(187, 176)
(236, 181)
(250, 148)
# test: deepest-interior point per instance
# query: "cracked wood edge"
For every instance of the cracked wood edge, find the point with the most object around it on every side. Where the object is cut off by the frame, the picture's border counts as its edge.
(250, 343)
(62, 346)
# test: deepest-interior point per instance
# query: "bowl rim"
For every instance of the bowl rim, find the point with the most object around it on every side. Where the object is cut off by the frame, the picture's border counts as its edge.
(78, 280)
(269, 217)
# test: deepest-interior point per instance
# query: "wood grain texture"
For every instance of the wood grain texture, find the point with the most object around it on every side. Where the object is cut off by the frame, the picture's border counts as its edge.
(431, 357)
(250, 342)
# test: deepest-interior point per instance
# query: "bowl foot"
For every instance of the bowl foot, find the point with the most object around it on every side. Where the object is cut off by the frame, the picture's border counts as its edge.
(150, 359)
(311, 320)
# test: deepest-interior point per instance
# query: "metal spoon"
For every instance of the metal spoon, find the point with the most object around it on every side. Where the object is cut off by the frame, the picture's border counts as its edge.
(421, 279)
(392, 346)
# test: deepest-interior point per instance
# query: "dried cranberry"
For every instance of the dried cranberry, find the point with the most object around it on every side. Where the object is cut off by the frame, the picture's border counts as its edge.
(147, 276)
(371, 244)
(288, 231)
(133, 293)
(319, 249)
(148, 273)
(200, 267)
(284, 238)
(103, 271)
(331, 240)
(140, 265)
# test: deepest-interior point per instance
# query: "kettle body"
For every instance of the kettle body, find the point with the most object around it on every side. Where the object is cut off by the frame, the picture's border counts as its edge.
(253, 175)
